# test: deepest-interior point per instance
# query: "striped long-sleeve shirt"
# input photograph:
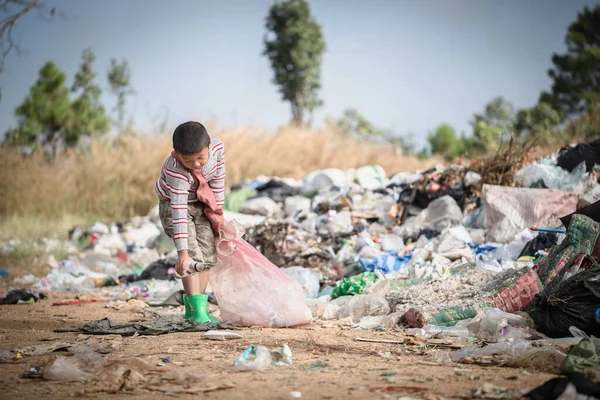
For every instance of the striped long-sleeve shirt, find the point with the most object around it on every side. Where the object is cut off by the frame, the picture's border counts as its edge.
(177, 185)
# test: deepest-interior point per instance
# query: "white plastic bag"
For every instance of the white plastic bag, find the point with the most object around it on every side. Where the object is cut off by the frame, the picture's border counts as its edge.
(364, 305)
(308, 278)
(261, 206)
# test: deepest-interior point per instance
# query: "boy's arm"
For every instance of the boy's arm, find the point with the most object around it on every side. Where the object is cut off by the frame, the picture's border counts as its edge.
(217, 183)
(179, 186)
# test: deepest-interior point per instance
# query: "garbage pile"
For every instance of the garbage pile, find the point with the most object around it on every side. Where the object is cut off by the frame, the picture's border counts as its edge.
(430, 248)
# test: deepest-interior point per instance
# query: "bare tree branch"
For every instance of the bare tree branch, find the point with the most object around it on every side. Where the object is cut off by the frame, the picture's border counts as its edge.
(10, 18)
(11, 21)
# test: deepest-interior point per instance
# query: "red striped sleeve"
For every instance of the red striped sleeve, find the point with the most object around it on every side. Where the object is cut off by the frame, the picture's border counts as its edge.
(176, 175)
(218, 147)
(175, 190)
(160, 191)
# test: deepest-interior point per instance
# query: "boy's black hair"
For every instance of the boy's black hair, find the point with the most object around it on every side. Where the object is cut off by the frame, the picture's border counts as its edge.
(190, 138)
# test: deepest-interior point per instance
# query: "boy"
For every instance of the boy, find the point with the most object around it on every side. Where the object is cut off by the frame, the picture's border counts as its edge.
(182, 214)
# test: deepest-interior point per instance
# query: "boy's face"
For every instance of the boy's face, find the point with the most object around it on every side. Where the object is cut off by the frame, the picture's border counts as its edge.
(196, 160)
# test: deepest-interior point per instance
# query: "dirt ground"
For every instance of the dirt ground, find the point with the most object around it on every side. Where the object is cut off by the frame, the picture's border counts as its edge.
(328, 362)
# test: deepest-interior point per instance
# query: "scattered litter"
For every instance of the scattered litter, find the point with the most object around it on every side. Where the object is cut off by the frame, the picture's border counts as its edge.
(316, 365)
(220, 335)
(282, 356)
(380, 341)
(23, 280)
(63, 369)
(45, 348)
(448, 252)
(254, 358)
(410, 389)
(20, 296)
(8, 356)
(158, 325)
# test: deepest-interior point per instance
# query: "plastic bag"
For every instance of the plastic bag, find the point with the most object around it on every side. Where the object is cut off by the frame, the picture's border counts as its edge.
(513, 349)
(308, 278)
(296, 203)
(250, 290)
(471, 178)
(364, 305)
(318, 180)
(261, 206)
(371, 177)
(554, 316)
(63, 369)
(554, 177)
(392, 242)
(441, 213)
(254, 358)
(497, 325)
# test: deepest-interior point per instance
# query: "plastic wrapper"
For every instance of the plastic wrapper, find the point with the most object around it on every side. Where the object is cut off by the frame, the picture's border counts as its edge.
(250, 290)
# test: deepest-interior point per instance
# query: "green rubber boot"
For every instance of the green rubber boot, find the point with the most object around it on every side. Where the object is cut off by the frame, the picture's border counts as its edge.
(188, 309)
(198, 303)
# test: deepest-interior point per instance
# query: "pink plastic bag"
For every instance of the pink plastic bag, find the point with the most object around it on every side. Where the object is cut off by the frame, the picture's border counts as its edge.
(250, 290)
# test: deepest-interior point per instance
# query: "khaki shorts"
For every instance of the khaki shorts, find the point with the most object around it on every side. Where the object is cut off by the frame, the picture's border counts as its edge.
(201, 239)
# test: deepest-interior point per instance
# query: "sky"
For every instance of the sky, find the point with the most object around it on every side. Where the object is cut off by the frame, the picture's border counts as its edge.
(405, 65)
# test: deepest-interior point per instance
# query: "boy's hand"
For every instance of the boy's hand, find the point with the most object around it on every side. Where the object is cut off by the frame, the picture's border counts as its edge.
(182, 259)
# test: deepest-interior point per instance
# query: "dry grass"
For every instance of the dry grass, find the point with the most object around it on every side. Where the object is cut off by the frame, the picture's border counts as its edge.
(115, 181)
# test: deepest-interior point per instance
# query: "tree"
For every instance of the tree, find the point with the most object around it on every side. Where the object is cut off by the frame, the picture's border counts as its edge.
(355, 124)
(539, 119)
(576, 74)
(46, 113)
(119, 78)
(496, 120)
(89, 116)
(12, 11)
(294, 45)
(444, 141)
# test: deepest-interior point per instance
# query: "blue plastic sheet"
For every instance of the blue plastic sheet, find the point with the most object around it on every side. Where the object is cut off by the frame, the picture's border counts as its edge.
(386, 263)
